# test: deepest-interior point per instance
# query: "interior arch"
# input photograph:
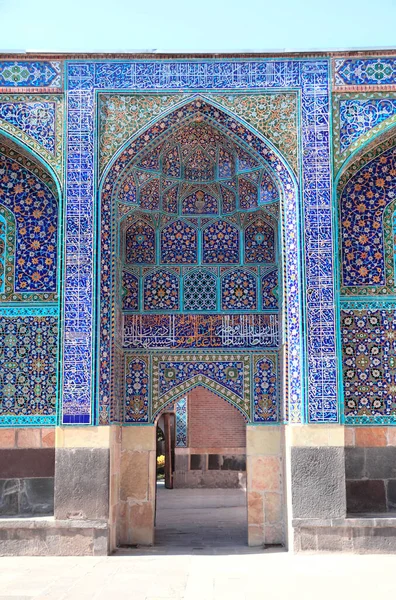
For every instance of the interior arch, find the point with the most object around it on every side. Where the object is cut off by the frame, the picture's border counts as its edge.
(245, 178)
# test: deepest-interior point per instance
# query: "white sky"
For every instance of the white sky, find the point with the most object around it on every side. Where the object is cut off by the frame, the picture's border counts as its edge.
(203, 25)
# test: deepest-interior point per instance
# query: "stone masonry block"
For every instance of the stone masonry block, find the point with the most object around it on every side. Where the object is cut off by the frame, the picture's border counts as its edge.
(82, 483)
(366, 496)
(381, 463)
(355, 461)
(134, 475)
(318, 482)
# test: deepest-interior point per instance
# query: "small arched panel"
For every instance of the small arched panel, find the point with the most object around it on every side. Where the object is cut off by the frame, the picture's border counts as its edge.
(140, 243)
(179, 243)
(220, 243)
(259, 242)
(239, 291)
(161, 291)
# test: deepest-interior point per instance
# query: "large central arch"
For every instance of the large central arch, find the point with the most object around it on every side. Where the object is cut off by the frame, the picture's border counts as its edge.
(199, 109)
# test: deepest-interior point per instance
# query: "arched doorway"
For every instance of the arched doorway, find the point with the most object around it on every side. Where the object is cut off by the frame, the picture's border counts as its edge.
(203, 503)
(191, 287)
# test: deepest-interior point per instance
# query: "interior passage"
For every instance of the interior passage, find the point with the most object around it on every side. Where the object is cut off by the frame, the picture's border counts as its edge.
(201, 518)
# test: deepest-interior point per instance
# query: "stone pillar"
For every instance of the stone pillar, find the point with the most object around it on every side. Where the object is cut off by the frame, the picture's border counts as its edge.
(266, 514)
(317, 472)
(82, 473)
(137, 485)
(82, 488)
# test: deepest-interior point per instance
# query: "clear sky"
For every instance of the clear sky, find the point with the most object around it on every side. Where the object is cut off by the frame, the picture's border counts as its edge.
(203, 25)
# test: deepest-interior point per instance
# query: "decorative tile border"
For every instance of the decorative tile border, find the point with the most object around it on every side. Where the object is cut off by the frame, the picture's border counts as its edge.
(36, 120)
(357, 118)
(28, 75)
(312, 78)
(369, 73)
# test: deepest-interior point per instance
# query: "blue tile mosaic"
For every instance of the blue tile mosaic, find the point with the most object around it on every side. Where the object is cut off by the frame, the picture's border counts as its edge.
(181, 411)
(365, 71)
(358, 116)
(30, 74)
(36, 119)
(312, 77)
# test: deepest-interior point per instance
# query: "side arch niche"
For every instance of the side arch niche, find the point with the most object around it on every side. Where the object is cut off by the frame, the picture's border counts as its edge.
(29, 298)
(366, 219)
(367, 204)
(30, 194)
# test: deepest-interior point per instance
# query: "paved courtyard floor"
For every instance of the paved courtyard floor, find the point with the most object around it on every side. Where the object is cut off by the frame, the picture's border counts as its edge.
(201, 554)
(256, 576)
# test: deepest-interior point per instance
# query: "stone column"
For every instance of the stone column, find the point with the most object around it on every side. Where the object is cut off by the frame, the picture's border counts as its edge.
(317, 478)
(266, 514)
(82, 472)
(82, 487)
(137, 485)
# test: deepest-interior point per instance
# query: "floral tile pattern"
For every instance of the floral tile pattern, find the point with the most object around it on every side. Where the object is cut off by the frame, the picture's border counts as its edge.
(367, 201)
(369, 365)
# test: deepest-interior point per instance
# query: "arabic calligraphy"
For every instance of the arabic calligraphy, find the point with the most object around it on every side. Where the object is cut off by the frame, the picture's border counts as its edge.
(201, 331)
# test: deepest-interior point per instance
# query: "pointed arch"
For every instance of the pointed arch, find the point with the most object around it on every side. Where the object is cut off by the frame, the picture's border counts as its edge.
(197, 381)
(366, 205)
(30, 153)
(284, 179)
(31, 193)
(185, 110)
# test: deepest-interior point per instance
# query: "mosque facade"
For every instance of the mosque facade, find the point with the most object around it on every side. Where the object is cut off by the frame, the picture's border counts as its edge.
(204, 244)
